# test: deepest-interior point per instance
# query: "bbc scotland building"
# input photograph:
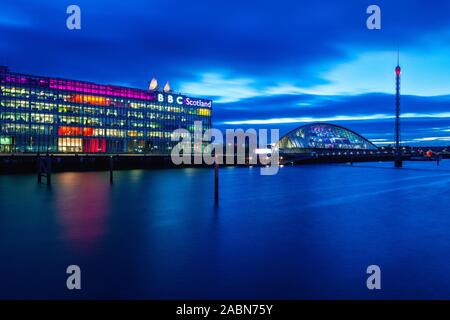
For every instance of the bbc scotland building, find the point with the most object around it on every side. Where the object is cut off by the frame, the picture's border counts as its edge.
(43, 114)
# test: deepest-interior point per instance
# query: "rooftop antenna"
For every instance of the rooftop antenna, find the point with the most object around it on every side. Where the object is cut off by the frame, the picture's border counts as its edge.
(398, 56)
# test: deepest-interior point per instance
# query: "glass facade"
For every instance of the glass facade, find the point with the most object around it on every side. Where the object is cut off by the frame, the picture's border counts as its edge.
(324, 136)
(40, 114)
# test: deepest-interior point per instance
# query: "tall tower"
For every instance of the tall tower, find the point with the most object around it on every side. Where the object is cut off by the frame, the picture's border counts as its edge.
(398, 152)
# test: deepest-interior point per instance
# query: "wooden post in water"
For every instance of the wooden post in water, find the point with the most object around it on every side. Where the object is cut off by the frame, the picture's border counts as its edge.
(111, 170)
(38, 164)
(216, 183)
(44, 168)
(49, 169)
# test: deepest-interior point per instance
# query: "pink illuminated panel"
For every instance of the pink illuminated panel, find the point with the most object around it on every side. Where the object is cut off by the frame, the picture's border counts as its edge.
(94, 145)
(83, 87)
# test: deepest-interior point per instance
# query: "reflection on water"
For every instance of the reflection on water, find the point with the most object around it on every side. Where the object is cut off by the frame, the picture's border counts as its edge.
(82, 203)
(307, 232)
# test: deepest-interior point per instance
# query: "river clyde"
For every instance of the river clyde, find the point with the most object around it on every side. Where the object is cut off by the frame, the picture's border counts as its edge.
(308, 232)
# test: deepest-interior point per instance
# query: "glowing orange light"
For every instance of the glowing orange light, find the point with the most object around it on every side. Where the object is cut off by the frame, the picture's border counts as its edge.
(88, 132)
(75, 131)
(94, 100)
(70, 131)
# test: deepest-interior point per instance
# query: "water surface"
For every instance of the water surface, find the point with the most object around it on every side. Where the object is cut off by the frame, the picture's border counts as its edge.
(308, 232)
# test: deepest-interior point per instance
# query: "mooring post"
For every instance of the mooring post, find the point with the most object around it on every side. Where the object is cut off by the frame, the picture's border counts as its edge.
(437, 160)
(216, 183)
(49, 169)
(39, 173)
(111, 168)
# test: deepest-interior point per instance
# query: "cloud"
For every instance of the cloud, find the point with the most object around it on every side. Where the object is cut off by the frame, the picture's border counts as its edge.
(224, 90)
(275, 65)
(339, 118)
(310, 119)
(355, 112)
(373, 71)
(12, 17)
(445, 138)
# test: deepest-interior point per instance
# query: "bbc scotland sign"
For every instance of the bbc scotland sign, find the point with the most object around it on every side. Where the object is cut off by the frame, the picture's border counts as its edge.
(183, 100)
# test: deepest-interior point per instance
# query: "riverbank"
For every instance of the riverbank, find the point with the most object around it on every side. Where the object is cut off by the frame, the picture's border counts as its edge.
(28, 162)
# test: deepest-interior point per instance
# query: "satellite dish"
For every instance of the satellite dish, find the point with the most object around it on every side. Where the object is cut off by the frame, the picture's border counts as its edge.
(167, 87)
(153, 84)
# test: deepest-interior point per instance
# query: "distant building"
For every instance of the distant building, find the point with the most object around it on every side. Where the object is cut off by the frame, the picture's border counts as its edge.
(40, 114)
(323, 136)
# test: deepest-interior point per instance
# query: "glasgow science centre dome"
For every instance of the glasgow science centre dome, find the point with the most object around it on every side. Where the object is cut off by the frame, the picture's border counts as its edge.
(323, 136)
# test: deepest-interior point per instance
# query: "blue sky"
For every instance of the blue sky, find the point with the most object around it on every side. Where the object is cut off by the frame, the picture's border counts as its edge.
(265, 64)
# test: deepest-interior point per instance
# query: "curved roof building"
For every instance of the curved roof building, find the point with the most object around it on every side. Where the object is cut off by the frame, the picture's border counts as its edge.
(323, 136)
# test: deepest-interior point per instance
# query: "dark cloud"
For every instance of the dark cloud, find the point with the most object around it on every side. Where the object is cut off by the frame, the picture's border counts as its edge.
(128, 42)
(329, 107)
